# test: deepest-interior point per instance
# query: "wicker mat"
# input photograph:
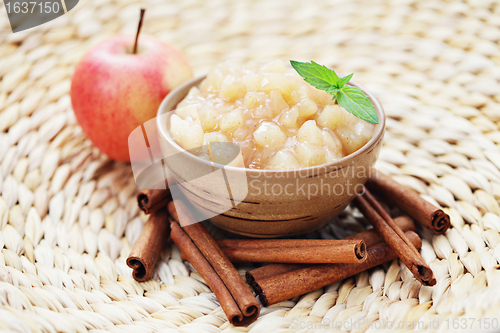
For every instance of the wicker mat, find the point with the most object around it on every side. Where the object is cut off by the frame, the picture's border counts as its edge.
(69, 218)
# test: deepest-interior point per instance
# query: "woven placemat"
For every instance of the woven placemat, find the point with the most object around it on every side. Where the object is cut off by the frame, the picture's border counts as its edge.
(68, 215)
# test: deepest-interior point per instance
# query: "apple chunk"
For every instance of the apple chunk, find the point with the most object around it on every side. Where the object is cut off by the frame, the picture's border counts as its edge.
(188, 133)
(283, 160)
(269, 135)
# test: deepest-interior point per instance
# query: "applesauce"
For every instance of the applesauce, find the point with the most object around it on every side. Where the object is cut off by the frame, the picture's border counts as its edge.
(277, 119)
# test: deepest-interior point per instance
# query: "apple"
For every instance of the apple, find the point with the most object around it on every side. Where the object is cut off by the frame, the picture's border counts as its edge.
(113, 90)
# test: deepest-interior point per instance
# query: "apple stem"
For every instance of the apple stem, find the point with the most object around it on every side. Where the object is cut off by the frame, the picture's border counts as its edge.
(138, 30)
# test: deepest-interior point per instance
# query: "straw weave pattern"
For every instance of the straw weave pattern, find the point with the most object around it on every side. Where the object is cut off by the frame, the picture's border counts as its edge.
(68, 215)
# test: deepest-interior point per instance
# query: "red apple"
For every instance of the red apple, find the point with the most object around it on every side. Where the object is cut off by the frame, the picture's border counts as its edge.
(113, 91)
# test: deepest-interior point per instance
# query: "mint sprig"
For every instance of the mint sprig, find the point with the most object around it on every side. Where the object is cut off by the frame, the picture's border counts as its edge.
(351, 98)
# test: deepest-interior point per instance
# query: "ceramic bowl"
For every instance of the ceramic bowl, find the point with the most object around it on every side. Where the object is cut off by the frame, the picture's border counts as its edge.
(276, 203)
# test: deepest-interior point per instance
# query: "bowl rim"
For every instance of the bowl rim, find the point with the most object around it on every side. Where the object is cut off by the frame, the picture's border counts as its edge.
(163, 131)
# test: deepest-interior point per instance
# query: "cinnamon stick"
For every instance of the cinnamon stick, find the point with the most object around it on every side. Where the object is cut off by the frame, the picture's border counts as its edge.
(255, 275)
(370, 237)
(288, 285)
(147, 248)
(203, 249)
(394, 237)
(150, 200)
(254, 250)
(409, 201)
(300, 251)
(267, 243)
(208, 274)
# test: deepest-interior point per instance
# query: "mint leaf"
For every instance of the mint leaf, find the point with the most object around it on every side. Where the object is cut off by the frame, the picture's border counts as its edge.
(332, 90)
(343, 81)
(316, 75)
(355, 101)
(352, 99)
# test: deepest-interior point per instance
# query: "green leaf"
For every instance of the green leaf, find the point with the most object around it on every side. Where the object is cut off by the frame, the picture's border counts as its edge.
(343, 81)
(333, 90)
(316, 75)
(354, 101)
